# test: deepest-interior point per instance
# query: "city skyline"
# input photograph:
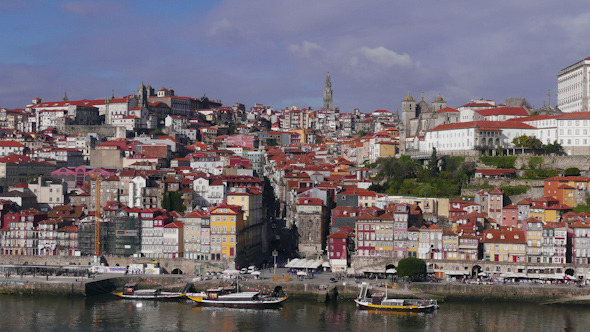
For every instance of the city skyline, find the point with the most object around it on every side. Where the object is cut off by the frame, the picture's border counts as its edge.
(278, 53)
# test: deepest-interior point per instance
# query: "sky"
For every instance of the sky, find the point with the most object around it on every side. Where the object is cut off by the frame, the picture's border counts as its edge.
(278, 52)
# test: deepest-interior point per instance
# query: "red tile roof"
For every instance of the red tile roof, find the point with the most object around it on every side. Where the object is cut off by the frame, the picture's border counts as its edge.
(518, 111)
(486, 125)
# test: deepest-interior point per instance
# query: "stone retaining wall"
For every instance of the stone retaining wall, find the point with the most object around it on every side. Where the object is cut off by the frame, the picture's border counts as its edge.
(25, 287)
(500, 292)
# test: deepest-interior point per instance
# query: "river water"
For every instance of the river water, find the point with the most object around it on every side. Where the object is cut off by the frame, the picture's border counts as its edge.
(108, 313)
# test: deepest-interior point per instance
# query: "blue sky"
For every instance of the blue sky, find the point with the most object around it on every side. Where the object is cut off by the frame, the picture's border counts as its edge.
(278, 52)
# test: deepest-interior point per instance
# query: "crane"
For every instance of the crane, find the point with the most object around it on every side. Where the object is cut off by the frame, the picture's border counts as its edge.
(97, 179)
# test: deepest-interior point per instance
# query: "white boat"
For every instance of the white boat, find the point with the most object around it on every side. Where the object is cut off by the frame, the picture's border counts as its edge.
(379, 301)
(231, 298)
(131, 292)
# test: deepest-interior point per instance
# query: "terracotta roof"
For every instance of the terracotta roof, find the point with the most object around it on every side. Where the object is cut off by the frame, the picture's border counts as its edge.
(574, 115)
(486, 125)
(176, 224)
(496, 171)
(11, 144)
(338, 235)
(447, 109)
(503, 236)
(518, 111)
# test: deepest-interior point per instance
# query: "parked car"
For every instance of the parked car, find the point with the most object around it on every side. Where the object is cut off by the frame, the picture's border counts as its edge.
(333, 280)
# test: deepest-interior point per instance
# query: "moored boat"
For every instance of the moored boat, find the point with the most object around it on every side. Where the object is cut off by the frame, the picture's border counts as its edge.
(379, 301)
(230, 297)
(131, 292)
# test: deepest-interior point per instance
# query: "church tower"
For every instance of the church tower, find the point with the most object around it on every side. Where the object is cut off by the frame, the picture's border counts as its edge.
(408, 110)
(142, 96)
(439, 103)
(328, 101)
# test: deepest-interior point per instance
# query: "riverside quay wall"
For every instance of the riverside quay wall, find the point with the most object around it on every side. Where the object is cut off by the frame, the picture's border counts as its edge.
(171, 265)
(500, 292)
(458, 268)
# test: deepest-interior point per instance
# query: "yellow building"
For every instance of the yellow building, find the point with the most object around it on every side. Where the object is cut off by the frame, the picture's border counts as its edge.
(534, 236)
(227, 233)
(250, 200)
(504, 245)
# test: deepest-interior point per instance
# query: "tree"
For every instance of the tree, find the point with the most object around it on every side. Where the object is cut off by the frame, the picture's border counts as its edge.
(527, 142)
(411, 267)
(554, 148)
(433, 163)
(172, 201)
(572, 171)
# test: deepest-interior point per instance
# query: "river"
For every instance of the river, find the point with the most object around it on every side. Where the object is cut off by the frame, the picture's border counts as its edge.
(107, 313)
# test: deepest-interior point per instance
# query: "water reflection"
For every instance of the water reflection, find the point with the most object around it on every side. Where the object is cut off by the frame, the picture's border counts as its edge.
(111, 314)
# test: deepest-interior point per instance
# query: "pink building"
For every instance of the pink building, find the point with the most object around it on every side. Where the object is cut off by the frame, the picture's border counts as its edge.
(509, 216)
(245, 141)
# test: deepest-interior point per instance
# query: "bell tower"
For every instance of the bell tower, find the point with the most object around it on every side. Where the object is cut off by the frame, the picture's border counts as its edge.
(328, 99)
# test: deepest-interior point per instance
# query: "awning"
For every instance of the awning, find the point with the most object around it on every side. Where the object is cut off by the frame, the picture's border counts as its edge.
(392, 271)
(372, 269)
(298, 263)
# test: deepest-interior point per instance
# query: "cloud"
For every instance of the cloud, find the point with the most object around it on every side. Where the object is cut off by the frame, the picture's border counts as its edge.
(306, 49)
(386, 58)
(224, 31)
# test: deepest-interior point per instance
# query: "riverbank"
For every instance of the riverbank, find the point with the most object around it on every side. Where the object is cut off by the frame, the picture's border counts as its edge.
(309, 289)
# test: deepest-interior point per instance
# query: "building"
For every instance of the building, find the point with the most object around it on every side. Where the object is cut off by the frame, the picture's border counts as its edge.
(506, 245)
(311, 226)
(227, 234)
(173, 240)
(375, 234)
(572, 87)
(577, 237)
(338, 248)
(250, 201)
(197, 235)
(534, 236)
(50, 192)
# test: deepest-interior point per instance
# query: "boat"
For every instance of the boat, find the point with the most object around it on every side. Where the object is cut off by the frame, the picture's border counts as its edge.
(231, 297)
(131, 292)
(380, 301)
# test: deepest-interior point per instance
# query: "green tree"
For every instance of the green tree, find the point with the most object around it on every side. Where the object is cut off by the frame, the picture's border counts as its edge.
(433, 163)
(527, 142)
(572, 171)
(172, 201)
(554, 148)
(411, 267)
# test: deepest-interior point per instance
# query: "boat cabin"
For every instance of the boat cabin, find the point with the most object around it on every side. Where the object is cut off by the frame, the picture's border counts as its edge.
(130, 289)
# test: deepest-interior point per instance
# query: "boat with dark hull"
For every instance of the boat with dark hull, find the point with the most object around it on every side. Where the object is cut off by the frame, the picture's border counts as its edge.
(230, 297)
(379, 301)
(131, 292)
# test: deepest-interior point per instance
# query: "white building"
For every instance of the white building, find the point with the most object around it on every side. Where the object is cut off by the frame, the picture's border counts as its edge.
(574, 132)
(465, 136)
(572, 87)
(173, 240)
(135, 191)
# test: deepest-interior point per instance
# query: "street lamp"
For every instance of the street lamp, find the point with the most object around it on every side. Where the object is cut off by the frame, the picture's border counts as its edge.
(274, 255)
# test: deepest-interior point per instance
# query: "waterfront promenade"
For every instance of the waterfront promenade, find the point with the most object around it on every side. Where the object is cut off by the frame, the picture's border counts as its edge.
(318, 288)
